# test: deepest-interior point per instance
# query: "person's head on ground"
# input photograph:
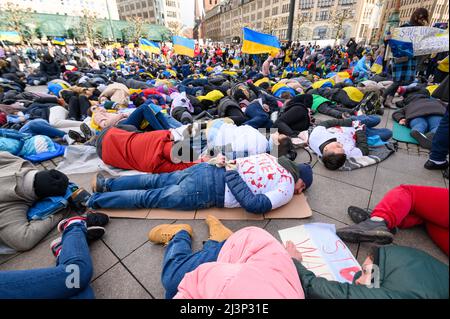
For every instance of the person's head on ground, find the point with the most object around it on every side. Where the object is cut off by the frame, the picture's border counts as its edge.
(50, 183)
(334, 156)
(302, 174)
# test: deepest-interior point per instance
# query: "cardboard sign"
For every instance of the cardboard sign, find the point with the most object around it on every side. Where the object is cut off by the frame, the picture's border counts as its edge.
(324, 253)
(416, 41)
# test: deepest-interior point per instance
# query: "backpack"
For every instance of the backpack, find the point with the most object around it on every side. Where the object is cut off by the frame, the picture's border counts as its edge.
(50, 205)
(371, 103)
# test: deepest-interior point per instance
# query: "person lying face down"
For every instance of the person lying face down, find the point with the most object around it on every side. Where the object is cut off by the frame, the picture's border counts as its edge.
(22, 185)
(257, 183)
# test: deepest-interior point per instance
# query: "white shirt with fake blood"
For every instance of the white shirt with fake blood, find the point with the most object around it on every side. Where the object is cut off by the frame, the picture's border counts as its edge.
(344, 135)
(263, 175)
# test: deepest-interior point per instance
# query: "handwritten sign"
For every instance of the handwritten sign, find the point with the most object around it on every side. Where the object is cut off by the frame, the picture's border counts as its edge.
(324, 253)
(416, 41)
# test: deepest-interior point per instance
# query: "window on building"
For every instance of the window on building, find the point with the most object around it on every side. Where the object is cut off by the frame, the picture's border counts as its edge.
(306, 4)
(325, 3)
(266, 13)
(285, 8)
(275, 11)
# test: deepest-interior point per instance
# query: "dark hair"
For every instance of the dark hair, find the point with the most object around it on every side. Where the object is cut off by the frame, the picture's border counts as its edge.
(420, 13)
(334, 161)
(285, 147)
(374, 253)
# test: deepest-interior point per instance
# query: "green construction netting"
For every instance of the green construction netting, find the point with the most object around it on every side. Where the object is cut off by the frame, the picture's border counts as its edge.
(62, 26)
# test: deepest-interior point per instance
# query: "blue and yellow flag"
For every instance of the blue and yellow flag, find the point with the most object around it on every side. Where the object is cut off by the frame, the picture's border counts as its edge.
(11, 36)
(377, 67)
(59, 41)
(258, 43)
(149, 46)
(183, 46)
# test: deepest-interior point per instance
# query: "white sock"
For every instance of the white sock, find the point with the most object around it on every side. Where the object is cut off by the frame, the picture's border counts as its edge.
(377, 219)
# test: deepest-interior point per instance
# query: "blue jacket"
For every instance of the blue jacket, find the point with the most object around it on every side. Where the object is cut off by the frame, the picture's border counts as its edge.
(257, 204)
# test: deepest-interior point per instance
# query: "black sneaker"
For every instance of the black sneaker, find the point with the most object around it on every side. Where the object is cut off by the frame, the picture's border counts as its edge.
(433, 166)
(357, 214)
(422, 139)
(366, 231)
(86, 130)
(99, 183)
(77, 137)
(96, 219)
(94, 233)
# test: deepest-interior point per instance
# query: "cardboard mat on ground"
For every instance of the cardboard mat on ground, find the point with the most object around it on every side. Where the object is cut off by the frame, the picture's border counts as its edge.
(297, 208)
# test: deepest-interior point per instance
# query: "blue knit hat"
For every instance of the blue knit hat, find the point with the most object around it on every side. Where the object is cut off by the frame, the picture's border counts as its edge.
(305, 174)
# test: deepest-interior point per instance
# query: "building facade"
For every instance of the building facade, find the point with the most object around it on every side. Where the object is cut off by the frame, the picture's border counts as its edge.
(100, 8)
(161, 12)
(313, 19)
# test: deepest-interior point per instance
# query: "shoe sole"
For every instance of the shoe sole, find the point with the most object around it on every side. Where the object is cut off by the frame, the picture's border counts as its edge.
(377, 236)
(423, 141)
(76, 137)
(95, 233)
(86, 131)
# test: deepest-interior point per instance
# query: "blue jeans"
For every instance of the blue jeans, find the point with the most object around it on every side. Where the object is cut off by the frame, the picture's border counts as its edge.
(157, 120)
(41, 127)
(371, 121)
(426, 124)
(190, 90)
(50, 283)
(179, 260)
(258, 117)
(190, 189)
(439, 150)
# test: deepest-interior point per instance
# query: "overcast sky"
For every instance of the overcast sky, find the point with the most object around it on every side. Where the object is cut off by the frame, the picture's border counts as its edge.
(187, 12)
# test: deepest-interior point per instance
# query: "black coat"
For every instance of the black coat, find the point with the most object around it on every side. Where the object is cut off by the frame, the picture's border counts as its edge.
(50, 69)
(294, 117)
(419, 104)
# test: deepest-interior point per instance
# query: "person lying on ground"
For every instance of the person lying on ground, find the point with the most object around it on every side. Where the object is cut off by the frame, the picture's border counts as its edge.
(336, 140)
(389, 272)
(421, 113)
(258, 184)
(248, 264)
(23, 185)
(404, 206)
(72, 254)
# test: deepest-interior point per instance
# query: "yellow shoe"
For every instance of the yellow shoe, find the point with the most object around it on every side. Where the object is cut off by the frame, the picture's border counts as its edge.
(162, 234)
(217, 231)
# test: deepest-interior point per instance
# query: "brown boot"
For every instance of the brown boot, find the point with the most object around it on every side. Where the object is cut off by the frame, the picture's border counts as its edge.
(217, 231)
(162, 234)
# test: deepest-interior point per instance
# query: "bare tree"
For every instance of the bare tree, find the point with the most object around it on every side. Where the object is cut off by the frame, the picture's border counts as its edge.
(175, 27)
(300, 21)
(136, 30)
(87, 27)
(16, 19)
(236, 29)
(338, 18)
(270, 25)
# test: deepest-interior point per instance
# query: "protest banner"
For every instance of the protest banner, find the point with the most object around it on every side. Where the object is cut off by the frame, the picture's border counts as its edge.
(416, 41)
(324, 253)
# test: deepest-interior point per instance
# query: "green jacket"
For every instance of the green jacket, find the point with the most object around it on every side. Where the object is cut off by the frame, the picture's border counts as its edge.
(405, 273)
(318, 100)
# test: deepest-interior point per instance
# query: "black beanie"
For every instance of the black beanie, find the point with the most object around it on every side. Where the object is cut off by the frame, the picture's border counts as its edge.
(50, 183)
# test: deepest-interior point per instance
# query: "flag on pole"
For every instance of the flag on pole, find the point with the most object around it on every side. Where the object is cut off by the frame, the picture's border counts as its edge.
(149, 46)
(377, 66)
(59, 41)
(183, 46)
(258, 43)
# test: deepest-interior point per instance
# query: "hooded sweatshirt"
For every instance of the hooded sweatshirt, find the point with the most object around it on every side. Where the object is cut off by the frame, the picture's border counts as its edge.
(252, 264)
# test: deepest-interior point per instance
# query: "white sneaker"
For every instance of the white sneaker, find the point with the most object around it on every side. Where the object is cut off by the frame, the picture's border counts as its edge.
(68, 140)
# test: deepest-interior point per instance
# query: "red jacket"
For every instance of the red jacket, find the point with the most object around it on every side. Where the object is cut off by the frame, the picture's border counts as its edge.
(146, 152)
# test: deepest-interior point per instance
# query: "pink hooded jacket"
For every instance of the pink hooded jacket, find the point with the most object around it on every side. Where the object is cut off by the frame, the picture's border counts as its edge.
(252, 264)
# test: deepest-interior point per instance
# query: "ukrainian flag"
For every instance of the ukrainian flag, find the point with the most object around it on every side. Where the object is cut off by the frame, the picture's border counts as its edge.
(377, 67)
(149, 46)
(183, 46)
(11, 36)
(59, 41)
(258, 43)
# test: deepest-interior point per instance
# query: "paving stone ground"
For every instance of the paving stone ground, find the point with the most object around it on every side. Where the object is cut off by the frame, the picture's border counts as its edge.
(127, 265)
